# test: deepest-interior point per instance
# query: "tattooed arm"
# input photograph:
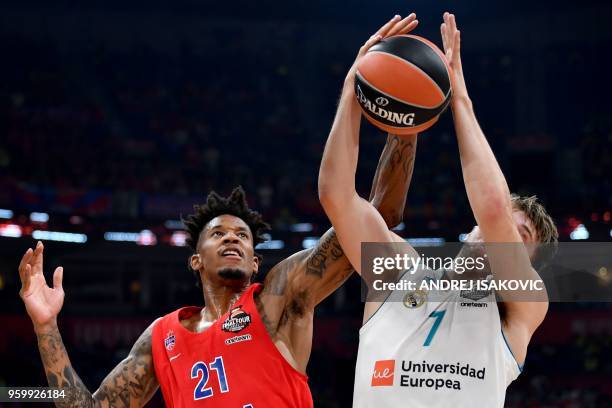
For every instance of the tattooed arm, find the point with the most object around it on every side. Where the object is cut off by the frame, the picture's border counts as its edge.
(313, 274)
(131, 384)
(389, 197)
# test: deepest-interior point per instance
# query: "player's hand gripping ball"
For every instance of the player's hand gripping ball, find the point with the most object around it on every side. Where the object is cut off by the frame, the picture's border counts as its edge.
(403, 84)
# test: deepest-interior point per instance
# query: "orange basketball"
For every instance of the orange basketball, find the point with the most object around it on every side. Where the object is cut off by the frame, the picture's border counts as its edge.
(403, 84)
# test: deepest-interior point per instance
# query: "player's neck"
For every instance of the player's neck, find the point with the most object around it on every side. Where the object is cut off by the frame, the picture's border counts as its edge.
(219, 300)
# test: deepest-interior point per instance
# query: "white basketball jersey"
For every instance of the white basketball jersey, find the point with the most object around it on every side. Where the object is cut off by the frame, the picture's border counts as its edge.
(449, 353)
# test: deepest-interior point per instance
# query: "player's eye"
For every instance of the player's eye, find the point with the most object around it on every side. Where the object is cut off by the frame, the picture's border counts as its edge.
(217, 234)
(243, 235)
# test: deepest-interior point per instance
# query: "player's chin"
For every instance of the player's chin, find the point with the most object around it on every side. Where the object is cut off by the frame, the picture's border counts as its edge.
(233, 273)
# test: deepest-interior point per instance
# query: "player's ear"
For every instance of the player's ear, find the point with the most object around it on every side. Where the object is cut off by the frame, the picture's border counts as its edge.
(196, 262)
(255, 264)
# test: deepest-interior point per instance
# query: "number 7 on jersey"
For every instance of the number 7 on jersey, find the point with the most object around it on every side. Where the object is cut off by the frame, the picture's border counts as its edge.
(438, 315)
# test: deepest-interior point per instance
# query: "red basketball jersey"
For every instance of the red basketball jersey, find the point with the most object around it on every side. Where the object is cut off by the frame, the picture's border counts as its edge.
(232, 364)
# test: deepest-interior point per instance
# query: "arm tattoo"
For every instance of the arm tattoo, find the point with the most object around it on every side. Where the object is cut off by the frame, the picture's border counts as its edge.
(397, 155)
(403, 157)
(131, 382)
(392, 178)
(276, 281)
(60, 373)
(270, 327)
(327, 249)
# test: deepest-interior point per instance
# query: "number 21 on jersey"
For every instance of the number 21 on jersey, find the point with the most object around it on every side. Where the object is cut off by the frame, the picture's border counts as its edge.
(200, 370)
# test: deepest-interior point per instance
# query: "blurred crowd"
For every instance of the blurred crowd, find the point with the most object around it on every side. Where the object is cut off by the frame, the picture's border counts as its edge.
(141, 123)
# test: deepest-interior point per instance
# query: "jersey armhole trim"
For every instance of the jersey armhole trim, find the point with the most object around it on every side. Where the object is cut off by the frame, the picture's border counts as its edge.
(378, 311)
(520, 367)
(374, 316)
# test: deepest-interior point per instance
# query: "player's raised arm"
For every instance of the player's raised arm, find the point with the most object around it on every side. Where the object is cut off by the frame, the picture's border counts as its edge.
(490, 199)
(318, 271)
(324, 268)
(485, 184)
(392, 177)
(354, 219)
(132, 383)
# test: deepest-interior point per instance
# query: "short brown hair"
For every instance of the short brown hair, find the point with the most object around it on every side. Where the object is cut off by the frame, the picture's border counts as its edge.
(545, 228)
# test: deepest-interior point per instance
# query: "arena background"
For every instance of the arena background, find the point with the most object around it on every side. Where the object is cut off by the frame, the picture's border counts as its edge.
(118, 117)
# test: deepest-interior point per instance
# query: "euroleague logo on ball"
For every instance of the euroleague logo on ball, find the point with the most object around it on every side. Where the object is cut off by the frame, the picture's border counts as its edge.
(382, 101)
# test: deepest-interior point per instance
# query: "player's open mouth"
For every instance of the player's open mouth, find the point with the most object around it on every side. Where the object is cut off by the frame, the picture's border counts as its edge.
(233, 253)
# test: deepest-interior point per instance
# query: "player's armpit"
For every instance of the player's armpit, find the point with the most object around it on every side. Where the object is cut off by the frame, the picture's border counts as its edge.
(132, 382)
(525, 309)
(305, 278)
(521, 321)
(275, 294)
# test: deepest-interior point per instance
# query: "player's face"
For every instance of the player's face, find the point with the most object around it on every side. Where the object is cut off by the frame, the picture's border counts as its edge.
(525, 228)
(226, 251)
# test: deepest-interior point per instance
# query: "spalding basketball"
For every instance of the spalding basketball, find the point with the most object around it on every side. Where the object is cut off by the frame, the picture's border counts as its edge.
(403, 84)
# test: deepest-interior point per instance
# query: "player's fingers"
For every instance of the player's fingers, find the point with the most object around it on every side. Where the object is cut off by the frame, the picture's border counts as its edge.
(407, 28)
(25, 259)
(453, 23)
(447, 44)
(58, 276)
(443, 35)
(371, 41)
(457, 44)
(27, 278)
(384, 29)
(402, 26)
(37, 260)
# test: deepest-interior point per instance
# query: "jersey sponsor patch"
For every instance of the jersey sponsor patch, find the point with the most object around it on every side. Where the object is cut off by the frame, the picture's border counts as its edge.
(170, 341)
(477, 305)
(451, 375)
(237, 320)
(384, 371)
(238, 339)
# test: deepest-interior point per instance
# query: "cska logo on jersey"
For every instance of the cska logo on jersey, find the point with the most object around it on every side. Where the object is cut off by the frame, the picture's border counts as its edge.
(384, 371)
(170, 341)
(237, 320)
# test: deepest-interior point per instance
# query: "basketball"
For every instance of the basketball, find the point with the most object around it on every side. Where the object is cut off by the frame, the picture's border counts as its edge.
(403, 84)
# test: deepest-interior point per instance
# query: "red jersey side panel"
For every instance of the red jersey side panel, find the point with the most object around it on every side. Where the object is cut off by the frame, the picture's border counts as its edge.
(232, 364)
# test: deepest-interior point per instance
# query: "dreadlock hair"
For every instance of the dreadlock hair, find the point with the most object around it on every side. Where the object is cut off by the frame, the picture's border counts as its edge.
(545, 228)
(215, 206)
